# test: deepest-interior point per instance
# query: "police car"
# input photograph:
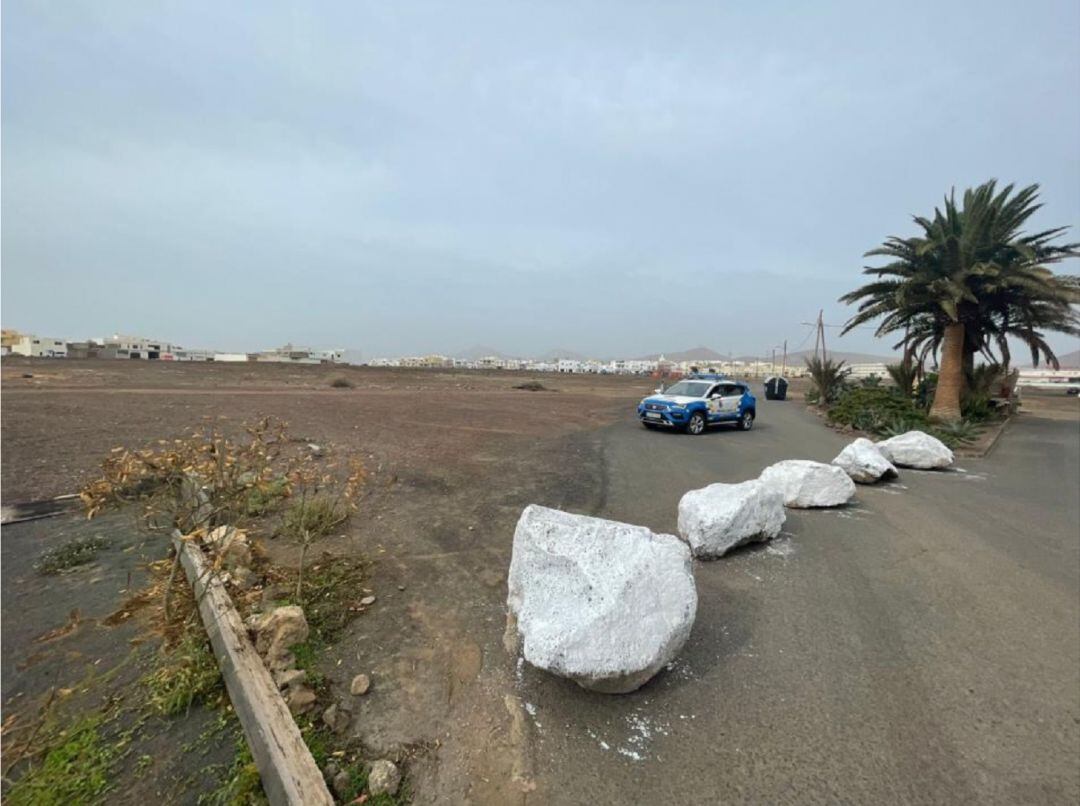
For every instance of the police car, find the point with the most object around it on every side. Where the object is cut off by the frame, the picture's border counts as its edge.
(699, 401)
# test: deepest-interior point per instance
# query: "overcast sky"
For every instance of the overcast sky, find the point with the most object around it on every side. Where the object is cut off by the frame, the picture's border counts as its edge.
(617, 178)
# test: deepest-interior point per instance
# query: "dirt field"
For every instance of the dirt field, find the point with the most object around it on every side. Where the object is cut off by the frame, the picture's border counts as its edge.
(455, 456)
(447, 429)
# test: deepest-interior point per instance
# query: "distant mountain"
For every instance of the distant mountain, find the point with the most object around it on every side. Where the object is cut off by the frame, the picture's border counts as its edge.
(694, 354)
(481, 351)
(800, 357)
(1067, 360)
(561, 352)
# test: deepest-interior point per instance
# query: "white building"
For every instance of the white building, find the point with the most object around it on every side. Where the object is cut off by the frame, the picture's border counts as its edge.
(138, 347)
(866, 370)
(39, 346)
(181, 354)
(290, 354)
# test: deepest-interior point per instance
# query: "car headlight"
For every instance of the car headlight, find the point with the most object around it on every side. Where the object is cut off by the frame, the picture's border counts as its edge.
(677, 408)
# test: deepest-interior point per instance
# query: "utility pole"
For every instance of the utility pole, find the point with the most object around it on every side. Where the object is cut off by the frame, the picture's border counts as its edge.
(819, 338)
(783, 368)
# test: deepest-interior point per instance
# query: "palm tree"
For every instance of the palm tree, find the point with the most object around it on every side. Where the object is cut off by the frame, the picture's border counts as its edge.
(969, 281)
(828, 378)
(902, 375)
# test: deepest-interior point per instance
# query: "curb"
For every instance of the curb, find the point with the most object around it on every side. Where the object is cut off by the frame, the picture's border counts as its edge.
(970, 453)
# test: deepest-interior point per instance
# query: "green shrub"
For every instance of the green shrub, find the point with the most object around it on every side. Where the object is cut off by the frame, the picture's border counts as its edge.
(958, 433)
(976, 407)
(828, 378)
(265, 497)
(314, 516)
(341, 382)
(874, 408)
(75, 552)
(76, 768)
(187, 674)
(885, 412)
(924, 393)
(902, 375)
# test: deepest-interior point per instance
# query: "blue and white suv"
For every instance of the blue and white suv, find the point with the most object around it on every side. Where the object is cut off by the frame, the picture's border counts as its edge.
(698, 401)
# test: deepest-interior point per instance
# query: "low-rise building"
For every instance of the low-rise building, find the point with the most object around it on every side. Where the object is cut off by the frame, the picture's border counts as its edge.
(291, 354)
(38, 346)
(137, 347)
(183, 354)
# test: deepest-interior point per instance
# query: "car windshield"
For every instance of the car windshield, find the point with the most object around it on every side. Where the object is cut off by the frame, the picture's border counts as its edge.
(688, 389)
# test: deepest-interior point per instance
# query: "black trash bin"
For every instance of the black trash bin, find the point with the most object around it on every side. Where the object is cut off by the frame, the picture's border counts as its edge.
(776, 388)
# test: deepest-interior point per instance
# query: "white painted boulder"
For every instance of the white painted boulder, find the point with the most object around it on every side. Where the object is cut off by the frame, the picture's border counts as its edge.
(864, 463)
(807, 484)
(604, 603)
(720, 517)
(916, 449)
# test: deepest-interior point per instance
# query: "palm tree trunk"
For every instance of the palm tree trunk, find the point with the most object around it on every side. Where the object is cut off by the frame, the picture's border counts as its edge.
(951, 377)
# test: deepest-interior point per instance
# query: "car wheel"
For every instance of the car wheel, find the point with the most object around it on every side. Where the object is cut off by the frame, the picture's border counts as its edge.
(746, 422)
(696, 424)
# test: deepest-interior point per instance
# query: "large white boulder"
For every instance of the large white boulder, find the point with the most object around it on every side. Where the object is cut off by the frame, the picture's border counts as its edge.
(916, 449)
(864, 463)
(604, 603)
(809, 484)
(717, 518)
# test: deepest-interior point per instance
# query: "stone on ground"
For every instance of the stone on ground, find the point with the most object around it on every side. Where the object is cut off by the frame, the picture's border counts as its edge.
(864, 463)
(916, 449)
(717, 518)
(289, 678)
(809, 484)
(360, 685)
(604, 603)
(384, 778)
(300, 699)
(277, 631)
(341, 782)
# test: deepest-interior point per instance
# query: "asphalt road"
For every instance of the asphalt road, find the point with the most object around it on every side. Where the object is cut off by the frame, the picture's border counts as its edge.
(919, 646)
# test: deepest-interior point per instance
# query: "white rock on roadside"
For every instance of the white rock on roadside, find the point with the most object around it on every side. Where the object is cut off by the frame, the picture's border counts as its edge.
(604, 603)
(717, 518)
(864, 462)
(384, 777)
(916, 449)
(807, 484)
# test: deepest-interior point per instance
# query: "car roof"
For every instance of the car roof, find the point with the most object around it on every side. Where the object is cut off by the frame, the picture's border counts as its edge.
(714, 379)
